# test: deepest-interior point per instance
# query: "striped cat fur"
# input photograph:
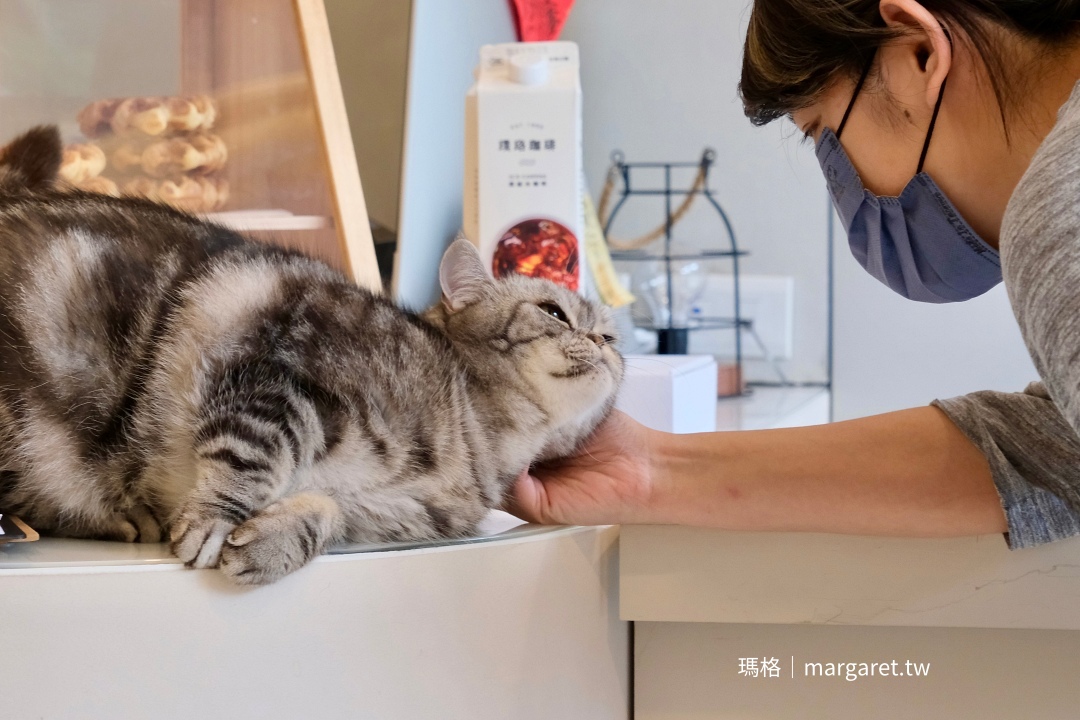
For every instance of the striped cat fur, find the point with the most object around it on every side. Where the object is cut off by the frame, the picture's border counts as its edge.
(163, 377)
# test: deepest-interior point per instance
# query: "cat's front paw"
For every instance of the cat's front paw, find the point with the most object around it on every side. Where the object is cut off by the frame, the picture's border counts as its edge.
(197, 537)
(282, 538)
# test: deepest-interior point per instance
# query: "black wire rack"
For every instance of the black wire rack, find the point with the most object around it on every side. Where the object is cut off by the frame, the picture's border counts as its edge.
(673, 340)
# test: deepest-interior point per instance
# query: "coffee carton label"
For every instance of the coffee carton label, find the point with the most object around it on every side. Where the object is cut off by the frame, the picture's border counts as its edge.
(523, 176)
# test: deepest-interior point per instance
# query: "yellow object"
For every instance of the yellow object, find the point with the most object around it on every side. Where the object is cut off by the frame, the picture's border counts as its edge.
(596, 250)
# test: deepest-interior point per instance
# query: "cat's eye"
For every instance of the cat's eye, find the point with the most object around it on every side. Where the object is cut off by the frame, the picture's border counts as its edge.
(554, 311)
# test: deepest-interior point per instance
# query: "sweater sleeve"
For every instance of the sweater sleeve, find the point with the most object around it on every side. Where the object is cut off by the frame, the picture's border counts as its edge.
(1034, 456)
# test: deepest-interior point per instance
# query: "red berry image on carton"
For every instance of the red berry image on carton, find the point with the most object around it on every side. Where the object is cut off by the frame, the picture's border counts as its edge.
(538, 248)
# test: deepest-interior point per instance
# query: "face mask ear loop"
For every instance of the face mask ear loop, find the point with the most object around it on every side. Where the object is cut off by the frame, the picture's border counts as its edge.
(858, 87)
(930, 130)
(933, 118)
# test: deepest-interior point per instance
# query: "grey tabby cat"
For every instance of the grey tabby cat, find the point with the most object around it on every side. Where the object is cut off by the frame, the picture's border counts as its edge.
(163, 374)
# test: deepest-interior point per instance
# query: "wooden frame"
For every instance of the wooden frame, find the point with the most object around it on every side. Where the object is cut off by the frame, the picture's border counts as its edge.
(283, 96)
(350, 210)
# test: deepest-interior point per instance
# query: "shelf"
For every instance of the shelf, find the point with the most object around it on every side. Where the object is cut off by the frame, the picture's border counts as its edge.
(703, 323)
(704, 255)
(269, 220)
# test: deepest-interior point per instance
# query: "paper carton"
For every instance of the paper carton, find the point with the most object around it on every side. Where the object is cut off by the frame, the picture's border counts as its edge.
(522, 204)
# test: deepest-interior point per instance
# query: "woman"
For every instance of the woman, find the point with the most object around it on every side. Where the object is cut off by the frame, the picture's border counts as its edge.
(995, 195)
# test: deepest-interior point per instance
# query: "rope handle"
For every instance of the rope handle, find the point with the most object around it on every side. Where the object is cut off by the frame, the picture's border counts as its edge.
(659, 231)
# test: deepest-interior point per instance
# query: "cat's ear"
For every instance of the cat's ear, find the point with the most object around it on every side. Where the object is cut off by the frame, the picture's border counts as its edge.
(462, 275)
(32, 160)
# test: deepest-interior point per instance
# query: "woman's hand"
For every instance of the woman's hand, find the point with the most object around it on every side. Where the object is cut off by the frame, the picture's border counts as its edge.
(608, 481)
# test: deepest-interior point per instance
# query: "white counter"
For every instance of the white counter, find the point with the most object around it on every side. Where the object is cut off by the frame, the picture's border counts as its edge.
(520, 624)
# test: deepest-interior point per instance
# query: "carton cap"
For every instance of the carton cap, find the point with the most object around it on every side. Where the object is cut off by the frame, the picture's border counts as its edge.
(529, 69)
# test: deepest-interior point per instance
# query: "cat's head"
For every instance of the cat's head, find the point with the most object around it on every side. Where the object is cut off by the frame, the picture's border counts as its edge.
(561, 344)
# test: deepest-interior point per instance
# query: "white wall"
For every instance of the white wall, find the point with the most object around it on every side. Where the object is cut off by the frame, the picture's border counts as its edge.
(444, 47)
(892, 353)
(660, 83)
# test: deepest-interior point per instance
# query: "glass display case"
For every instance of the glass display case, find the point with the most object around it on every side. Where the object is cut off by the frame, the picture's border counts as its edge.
(229, 108)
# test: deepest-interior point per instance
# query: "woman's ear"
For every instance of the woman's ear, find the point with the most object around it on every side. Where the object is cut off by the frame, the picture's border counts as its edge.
(462, 275)
(934, 51)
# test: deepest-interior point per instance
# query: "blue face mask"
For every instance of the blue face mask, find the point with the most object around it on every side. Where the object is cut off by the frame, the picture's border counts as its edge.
(916, 243)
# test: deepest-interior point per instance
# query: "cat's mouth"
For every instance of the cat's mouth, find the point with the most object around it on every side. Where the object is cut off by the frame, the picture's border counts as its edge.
(577, 370)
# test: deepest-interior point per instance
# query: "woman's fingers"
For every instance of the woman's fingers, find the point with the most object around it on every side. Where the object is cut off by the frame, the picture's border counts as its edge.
(524, 498)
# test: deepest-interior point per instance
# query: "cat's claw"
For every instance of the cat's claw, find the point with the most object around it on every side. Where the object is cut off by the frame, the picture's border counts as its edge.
(197, 540)
(253, 557)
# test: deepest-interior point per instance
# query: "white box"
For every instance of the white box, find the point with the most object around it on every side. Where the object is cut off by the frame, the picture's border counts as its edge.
(673, 393)
(523, 168)
(768, 301)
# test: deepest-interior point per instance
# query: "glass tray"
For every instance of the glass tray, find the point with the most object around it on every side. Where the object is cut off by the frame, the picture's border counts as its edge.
(66, 552)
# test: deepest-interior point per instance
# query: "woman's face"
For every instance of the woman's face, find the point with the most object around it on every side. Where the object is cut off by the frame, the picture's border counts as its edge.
(968, 156)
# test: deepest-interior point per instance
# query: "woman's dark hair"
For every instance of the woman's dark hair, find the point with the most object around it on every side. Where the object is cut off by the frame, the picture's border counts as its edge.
(795, 48)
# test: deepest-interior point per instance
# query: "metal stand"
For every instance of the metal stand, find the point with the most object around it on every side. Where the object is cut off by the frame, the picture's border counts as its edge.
(673, 340)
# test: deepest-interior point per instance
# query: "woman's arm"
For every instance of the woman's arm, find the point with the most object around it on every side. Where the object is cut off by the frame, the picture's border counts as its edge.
(904, 473)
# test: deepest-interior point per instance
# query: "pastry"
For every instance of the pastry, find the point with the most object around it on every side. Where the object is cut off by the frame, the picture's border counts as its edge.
(188, 114)
(95, 119)
(127, 157)
(202, 153)
(81, 161)
(149, 115)
(194, 194)
(213, 150)
(152, 116)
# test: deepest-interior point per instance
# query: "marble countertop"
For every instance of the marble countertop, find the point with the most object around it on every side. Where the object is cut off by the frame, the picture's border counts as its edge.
(682, 574)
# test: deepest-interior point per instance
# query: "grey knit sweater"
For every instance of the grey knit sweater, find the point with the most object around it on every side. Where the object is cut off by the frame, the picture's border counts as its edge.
(1032, 438)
